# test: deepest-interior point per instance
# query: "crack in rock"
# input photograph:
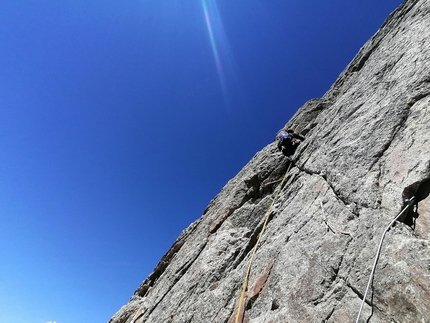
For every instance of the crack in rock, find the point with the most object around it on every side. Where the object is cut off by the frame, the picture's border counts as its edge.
(179, 274)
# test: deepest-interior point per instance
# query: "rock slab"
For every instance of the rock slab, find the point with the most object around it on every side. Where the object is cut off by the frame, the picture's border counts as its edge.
(367, 150)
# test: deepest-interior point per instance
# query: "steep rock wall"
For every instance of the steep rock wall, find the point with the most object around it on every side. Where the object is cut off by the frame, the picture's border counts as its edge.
(367, 149)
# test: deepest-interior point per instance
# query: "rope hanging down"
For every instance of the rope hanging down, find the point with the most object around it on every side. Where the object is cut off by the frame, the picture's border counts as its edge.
(410, 202)
(245, 281)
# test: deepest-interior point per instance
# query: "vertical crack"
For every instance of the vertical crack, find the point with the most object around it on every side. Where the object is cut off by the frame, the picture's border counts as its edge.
(251, 242)
(179, 274)
(329, 315)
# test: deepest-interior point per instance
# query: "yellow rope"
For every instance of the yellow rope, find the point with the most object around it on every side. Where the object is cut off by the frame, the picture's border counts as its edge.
(245, 282)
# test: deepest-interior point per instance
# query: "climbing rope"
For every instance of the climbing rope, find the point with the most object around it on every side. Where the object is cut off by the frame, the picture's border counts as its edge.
(410, 202)
(240, 309)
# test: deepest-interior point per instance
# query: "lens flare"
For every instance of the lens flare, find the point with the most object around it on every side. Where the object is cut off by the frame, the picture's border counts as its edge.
(218, 41)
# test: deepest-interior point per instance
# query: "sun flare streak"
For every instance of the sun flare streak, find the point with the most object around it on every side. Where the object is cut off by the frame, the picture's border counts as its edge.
(215, 30)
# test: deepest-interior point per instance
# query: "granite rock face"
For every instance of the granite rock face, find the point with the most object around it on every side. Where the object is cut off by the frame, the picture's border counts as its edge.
(367, 149)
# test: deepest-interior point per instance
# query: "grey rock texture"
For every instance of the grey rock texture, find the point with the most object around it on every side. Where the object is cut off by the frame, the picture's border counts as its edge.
(367, 149)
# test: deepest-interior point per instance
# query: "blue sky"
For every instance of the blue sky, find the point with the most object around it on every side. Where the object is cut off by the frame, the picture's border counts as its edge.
(121, 120)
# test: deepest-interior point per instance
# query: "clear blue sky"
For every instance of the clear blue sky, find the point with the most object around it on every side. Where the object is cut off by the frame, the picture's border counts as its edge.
(121, 120)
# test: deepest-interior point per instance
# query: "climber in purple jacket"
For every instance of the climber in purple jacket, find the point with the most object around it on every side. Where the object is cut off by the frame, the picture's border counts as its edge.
(288, 141)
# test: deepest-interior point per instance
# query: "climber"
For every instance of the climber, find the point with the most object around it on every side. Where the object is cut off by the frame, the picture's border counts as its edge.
(288, 141)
